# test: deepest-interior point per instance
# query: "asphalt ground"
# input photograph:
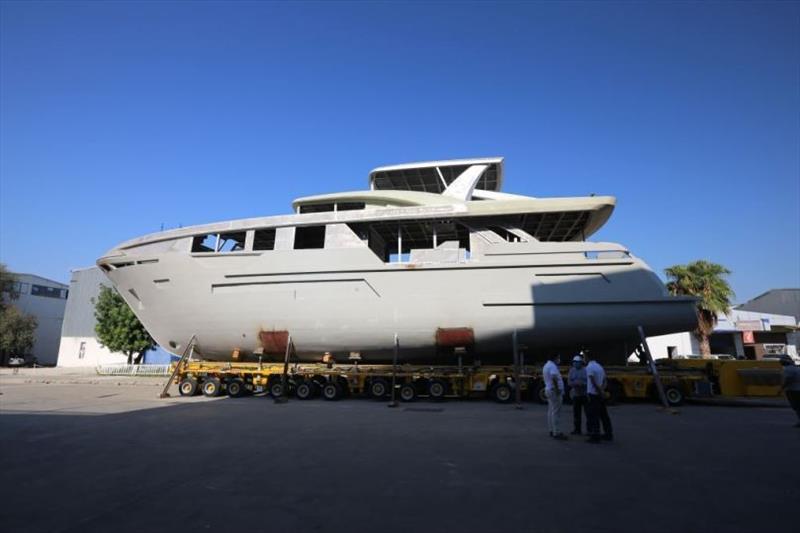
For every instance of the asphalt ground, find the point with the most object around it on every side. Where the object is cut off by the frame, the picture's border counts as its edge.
(103, 456)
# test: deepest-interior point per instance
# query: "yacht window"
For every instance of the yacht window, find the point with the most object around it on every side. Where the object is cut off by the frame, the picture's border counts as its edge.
(337, 206)
(306, 237)
(219, 242)
(204, 243)
(349, 206)
(264, 239)
(231, 242)
(393, 241)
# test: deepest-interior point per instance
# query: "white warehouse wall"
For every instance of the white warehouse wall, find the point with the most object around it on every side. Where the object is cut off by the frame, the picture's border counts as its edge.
(79, 346)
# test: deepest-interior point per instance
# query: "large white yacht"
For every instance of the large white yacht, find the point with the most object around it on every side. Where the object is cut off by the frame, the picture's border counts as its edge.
(433, 253)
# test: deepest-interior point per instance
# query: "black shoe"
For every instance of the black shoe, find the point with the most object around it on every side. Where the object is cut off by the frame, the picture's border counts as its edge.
(560, 436)
(608, 436)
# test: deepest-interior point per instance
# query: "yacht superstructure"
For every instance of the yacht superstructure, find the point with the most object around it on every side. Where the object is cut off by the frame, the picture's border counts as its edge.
(430, 247)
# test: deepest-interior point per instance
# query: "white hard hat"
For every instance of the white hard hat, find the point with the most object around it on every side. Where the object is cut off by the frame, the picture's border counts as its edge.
(577, 359)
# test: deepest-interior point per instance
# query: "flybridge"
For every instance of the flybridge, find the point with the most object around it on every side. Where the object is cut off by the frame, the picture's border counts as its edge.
(436, 176)
(419, 184)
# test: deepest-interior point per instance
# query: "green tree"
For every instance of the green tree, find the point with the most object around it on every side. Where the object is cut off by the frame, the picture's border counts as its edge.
(117, 327)
(705, 281)
(16, 328)
(8, 287)
(16, 332)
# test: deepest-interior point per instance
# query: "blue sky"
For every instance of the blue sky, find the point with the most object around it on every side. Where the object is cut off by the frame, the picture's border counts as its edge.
(118, 117)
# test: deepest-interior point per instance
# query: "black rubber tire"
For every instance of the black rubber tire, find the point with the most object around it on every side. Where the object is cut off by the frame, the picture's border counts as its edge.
(211, 387)
(408, 392)
(276, 389)
(188, 387)
(437, 389)
(236, 388)
(674, 395)
(502, 392)
(344, 386)
(615, 392)
(538, 393)
(378, 388)
(332, 391)
(305, 390)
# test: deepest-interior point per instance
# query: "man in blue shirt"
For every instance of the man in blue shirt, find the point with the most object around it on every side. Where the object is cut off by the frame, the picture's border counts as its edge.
(577, 391)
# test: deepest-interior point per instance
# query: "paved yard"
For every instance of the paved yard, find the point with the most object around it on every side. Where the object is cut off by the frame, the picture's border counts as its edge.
(102, 456)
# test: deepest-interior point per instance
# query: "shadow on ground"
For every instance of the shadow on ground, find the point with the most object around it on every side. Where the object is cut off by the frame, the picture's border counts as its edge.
(249, 464)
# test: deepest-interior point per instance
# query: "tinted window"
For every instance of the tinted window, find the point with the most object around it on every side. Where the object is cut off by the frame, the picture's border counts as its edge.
(264, 239)
(309, 237)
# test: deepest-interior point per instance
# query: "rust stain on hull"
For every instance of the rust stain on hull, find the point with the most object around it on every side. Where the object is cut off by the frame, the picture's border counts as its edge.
(454, 337)
(274, 342)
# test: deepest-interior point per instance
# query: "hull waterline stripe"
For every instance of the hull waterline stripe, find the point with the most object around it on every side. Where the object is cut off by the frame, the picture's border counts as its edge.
(293, 282)
(678, 300)
(427, 269)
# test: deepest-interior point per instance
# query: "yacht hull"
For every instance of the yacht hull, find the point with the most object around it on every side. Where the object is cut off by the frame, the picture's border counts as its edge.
(352, 302)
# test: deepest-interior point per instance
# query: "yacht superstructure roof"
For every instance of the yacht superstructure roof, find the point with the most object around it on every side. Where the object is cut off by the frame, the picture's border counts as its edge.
(462, 188)
(436, 176)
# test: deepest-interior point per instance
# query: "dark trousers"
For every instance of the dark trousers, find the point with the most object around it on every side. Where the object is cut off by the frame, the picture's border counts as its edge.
(596, 413)
(794, 400)
(578, 406)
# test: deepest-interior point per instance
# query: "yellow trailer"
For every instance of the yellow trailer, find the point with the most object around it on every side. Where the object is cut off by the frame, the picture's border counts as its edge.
(636, 382)
(736, 378)
(335, 381)
(436, 382)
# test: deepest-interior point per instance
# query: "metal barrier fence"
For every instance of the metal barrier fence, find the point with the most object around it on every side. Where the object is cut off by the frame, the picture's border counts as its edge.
(133, 370)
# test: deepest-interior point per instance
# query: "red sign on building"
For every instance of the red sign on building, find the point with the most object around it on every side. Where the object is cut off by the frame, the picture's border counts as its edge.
(748, 337)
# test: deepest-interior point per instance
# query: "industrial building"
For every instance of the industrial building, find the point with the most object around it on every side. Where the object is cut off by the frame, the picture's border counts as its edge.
(79, 345)
(741, 334)
(776, 301)
(780, 302)
(45, 299)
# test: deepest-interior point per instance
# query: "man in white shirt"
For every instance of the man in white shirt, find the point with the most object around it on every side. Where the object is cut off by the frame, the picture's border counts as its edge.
(554, 390)
(596, 411)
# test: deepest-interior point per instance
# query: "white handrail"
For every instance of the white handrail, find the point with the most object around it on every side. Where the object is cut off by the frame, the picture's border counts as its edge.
(132, 370)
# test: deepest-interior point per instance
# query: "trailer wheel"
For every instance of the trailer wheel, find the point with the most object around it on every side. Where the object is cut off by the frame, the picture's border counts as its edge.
(378, 388)
(408, 392)
(674, 395)
(615, 392)
(236, 388)
(187, 387)
(276, 388)
(501, 392)
(304, 390)
(437, 389)
(332, 391)
(539, 392)
(211, 387)
(344, 386)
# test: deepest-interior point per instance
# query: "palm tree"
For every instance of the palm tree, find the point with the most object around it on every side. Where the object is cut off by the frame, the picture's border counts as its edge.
(705, 281)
